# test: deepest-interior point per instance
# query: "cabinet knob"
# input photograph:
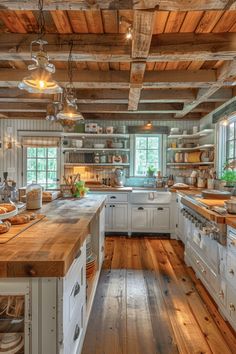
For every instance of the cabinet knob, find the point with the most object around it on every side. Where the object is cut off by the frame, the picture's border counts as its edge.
(32, 272)
(232, 307)
(197, 262)
(140, 208)
(221, 294)
(231, 271)
(160, 209)
(113, 197)
(77, 332)
(76, 289)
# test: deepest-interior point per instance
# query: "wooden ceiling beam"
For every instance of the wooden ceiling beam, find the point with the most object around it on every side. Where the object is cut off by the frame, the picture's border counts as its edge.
(141, 41)
(120, 79)
(225, 75)
(115, 48)
(166, 5)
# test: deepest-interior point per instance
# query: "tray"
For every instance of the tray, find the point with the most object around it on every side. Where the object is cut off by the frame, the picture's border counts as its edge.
(214, 194)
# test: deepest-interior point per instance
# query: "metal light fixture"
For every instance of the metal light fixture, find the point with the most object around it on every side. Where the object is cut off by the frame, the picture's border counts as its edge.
(40, 80)
(129, 33)
(149, 124)
(224, 122)
(70, 109)
(53, 108)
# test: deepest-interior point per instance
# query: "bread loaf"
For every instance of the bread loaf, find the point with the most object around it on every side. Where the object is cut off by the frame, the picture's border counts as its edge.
(4, 227)
(8, 207)
(19, 219)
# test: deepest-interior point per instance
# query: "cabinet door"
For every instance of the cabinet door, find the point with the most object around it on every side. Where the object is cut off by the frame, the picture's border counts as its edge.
(181, 225)
(159, 219)
(139, 218)
(108, 217)
(120, 217)
(101, 236)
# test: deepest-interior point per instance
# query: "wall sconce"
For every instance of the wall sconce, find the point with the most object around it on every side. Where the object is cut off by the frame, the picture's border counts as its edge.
(224, 122)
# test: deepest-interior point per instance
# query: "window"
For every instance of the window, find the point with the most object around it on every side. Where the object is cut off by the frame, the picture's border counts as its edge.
(42, 166)
(147, 152)
(231, 142)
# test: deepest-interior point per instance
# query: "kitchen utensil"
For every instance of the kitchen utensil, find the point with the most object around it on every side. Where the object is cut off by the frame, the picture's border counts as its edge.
(201, 182)
(230, 206)
(210, 183)
(91, 128)
(192, 181)
(117, 159)
(215, 194)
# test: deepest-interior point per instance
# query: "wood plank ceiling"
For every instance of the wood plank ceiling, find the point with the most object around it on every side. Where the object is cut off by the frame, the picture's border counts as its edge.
(180, 63)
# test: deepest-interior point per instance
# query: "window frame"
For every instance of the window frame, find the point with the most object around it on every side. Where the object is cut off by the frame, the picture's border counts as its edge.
(57, 171)
(221, 143)
(162, 152)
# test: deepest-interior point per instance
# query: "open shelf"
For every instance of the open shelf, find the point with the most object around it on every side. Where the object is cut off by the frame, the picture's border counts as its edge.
(91, 135)
(198, 135)
(196, 148)
(189, 163)
(96, 164)
(94, 149)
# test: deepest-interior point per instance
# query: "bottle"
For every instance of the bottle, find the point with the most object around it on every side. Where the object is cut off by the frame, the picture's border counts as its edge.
(33, 196)
(96, 158)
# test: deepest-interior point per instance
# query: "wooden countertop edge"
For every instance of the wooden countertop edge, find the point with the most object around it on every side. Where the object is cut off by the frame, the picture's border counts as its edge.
(231, 221)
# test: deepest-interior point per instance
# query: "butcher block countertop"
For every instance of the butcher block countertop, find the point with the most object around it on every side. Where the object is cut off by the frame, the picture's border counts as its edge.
(48, 248)
(204, 211)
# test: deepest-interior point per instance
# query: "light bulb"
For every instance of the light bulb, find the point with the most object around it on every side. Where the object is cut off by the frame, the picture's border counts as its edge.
(129, 33)
(41, 84)
(224, 122)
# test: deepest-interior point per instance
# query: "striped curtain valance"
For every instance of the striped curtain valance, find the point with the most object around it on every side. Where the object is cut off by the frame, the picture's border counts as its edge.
(40, 141)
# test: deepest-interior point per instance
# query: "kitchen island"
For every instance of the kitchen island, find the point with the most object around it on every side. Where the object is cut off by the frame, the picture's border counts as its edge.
(43, 285)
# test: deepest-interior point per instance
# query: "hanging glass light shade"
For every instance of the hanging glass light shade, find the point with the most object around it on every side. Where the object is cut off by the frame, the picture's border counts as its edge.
(40, 80)
(70, 109)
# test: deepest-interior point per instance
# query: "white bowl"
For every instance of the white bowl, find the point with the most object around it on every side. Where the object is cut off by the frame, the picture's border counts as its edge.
(98, 146)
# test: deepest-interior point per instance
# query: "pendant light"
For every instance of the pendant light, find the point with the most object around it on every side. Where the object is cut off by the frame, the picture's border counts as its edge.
(70, 109)
(40, 80)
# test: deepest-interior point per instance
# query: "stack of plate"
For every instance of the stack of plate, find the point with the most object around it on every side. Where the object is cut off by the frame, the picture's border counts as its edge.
(12, 343)
(90, 258)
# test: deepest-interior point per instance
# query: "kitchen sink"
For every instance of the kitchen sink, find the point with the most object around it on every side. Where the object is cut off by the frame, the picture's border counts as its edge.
(150, 197)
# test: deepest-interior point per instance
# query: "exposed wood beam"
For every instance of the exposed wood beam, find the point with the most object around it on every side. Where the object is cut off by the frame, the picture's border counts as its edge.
(177, 5)
(107, 116)
(141, 41)
(120, 79)
(226, 72)
(115, 48)
(24, 100)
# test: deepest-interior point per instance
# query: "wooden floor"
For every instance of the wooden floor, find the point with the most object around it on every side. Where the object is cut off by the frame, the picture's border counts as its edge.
(149, 302)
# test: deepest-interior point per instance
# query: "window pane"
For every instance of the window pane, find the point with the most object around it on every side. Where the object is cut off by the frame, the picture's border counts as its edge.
(31, 177)
(52, 164)
(41, 177)
(153, 143)
(41, 164)
(52, 152)
(31, 152)
(231, 131)
(230, 149)
(52, 177)
(141, 143)
(31, 164)
(41, 152)
(140, 162)
(152, 157)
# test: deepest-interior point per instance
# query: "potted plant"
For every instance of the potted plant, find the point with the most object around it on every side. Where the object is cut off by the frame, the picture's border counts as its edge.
(150, 171)
(229, 176)
(80, 189)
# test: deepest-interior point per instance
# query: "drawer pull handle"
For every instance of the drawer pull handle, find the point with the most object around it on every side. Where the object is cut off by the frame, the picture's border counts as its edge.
(232, 307)
(78, 254)
(32, 272)
(113, 197)
(76, 289)
(77, 332)
(231, 271)
(160, 209)
(140, 208)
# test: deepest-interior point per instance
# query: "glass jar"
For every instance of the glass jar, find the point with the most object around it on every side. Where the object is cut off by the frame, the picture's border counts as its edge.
(96, 158)
(33, 196)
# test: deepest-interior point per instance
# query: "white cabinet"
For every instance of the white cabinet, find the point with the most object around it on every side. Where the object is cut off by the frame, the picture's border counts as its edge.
(116, 217)
(139, 218)
(150, 219)
(159, 219)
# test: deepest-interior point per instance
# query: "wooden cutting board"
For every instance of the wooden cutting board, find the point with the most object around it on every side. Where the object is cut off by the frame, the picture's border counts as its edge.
(212, 202)
(15, 230)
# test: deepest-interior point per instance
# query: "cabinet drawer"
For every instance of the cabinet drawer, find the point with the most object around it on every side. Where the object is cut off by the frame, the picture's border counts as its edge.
(117, 197)
(231, 242)
(231, 303)
(231, 268)
(74, 332)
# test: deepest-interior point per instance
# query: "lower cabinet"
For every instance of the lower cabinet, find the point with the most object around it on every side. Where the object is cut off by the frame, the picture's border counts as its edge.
(150, 219)
(116, 217)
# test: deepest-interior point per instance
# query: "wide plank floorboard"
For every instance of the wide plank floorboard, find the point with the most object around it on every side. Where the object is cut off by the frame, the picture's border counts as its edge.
(149, 302)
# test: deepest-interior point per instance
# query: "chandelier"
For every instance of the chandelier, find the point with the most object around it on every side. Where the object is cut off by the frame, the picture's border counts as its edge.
(40, 80)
